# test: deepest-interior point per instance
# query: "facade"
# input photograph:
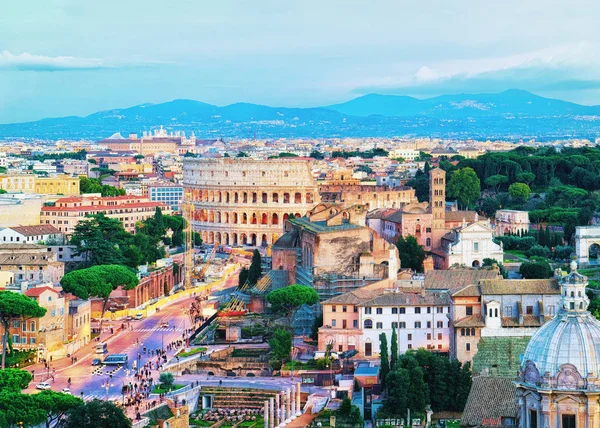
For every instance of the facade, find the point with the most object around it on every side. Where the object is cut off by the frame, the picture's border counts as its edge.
(245, 202)
(355, 320)
(30, 234)
(67, 212)
(30, 263)
(151, 143)
(29, 183)
(499, 308)
(167, 193)
(18, 209)
(78, 324)
(511, 221)
(468, 246)
(558, 384)
(373, 197)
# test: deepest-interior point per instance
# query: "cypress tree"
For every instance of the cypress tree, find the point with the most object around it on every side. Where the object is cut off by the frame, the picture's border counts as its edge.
(394, 350)
(385, 364)
(255, 270)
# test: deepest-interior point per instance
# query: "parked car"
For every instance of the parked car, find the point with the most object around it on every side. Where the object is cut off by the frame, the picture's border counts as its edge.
(43, 386)
(164, 324)
(128, 317)
(96, 362)
(139, 316)
(66, 391)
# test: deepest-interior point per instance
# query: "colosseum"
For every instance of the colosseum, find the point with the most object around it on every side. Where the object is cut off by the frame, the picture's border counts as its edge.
(244, 201)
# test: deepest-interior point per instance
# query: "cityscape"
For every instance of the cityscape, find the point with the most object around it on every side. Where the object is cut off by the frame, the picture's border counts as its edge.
(231, 215)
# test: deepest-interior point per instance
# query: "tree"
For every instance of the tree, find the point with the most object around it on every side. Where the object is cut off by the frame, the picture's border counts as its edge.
(519, 191)
(98, 281)
(496, 181)
(464, 185)
(417, 392)
(97, 414)
(17, 409)
(56, 405)
(394, 350)
(197, 238)
(281, 345)
(385, 363)
(100, 239)
(411, 253)
(314, 333)
(255, 269)
(345, 408)
(526, 177)
(14, 379)
(290, 298)
(317, 155)
(166, 379)
(536, 270)
(398, 383)
(16, 305)
(242, 277)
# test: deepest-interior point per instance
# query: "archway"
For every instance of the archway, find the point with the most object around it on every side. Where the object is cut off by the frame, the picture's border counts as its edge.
(264, 219)
(243, 239)
(235, 239)
(235, 218)
(226, 217)
(286, 216)
(244, 218)
(585, 236)
(218, 238)
(275, 219)
(211, 238)
(263, 240)
(253, 239)
(275, 197)
(225, 238)
(254, 220)
(594, 253)
(476, 264)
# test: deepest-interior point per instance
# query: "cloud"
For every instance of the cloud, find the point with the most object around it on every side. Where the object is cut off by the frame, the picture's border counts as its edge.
(28, 62)
(572, 67)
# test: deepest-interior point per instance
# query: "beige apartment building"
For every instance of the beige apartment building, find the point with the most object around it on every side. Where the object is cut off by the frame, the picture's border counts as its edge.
(29, 183)
(66, 213)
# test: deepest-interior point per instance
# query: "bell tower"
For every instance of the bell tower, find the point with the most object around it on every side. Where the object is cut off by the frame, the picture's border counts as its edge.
(437, 205)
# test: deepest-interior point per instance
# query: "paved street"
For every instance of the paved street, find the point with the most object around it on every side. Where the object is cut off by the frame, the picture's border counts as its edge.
(90, 381)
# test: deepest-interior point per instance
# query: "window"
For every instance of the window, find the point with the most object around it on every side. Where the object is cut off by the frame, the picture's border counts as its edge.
(568, 421)
(469, 310)
(475, 246)
(394, 311)
(355, 323)
(16, 323)
(428, 324)
(16, 338)
(32, 340)
(32, 326)
(394, 324)
(344, 324)
(417, 324)
(529, 310)
(379, 311)
(333, 308)
(356, 309)
(533, 418)
(62, 311)
(379, 325)
(551, 310)
(333, 323)
(468, 347)
(439, 336)
(402, 324)
(440, 324)
(340, 348)
(368, 311)
(23, 340)
(428, 309)
(344, 309)
(402, 310)
(368, 324)
(439, 309)
(428, 336)
(508, 311)
(53, 312)
(417, 310)
(409, 346)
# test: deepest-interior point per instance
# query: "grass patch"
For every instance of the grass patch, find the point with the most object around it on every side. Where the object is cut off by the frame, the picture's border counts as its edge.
(248, 352)
(160, 390)
(191, 352)
(518, 253)
(299, 365)
(589, 272)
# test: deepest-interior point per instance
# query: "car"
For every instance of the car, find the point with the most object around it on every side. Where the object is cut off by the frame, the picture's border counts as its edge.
(128, 318)
(164, 324)
(96, 362)
(43, 386)
(66, 391)
(139, 316)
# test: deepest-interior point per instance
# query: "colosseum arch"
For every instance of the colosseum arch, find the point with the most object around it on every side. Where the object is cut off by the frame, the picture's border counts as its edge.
(226, 217)
(204, 237)
(252, 240)
(234, 239)
(225, 238)
(244, 218)
(235, 218)
(264, 198)
(286, 216)
(219, 197)
(263, 240)
(286, 198)
(243, 239)
(275, 219)
(226, 197)
(244, 197)
(254, 198)
(254, 219)
(211, 196)
(211, 237)
(218, 238)
(275, 197)
(297, 198)
(236, 199)
(264, 218)
(217, 217)
(211, 216)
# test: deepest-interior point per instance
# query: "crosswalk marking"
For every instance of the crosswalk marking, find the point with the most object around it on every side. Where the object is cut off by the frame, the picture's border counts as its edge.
(144, 330)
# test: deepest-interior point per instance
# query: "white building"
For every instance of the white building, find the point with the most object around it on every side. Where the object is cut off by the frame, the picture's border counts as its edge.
(511, 221)
(406, 154)
(31, 234)
(469, 245)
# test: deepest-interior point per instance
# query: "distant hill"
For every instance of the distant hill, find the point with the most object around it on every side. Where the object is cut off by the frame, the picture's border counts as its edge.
(512, 114)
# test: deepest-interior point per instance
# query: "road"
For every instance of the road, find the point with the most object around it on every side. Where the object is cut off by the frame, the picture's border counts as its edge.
(90, 382)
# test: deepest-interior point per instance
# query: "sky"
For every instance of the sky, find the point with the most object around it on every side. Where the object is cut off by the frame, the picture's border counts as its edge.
(76, 57)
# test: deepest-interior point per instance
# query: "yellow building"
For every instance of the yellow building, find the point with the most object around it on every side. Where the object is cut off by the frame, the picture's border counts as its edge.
(29, 183)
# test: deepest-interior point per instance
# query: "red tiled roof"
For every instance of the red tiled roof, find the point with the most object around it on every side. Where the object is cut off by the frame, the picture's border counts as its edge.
(37, 291)
(44, 229)
(107, 208)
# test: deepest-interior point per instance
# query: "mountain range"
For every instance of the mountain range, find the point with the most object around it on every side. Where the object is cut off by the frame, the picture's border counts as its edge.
(512, 114)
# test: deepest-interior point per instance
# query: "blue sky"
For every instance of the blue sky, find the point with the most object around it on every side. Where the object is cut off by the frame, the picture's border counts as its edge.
(75, 57)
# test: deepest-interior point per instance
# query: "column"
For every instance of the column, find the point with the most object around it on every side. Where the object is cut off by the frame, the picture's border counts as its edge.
(282, 409)
(298, 403)
(266, 414)
(287, 405)
(277, 411)
(271, 408)
(293, 397)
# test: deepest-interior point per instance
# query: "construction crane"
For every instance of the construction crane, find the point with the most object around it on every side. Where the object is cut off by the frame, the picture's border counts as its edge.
(188, 214)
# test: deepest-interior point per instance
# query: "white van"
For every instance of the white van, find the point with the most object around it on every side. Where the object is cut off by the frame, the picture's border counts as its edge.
(139, 316)
(101, 348)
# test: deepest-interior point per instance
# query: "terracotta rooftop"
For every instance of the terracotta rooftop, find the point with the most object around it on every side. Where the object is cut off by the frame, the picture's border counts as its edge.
(490, 398)
(519, 286)
(470, 321)
(107, 208)
(408, 299)
(456, 279)
(37, 291)
(44, 229)
(456, 216)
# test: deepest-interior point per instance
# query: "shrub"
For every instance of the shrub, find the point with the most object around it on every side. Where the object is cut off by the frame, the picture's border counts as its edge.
(539, 251)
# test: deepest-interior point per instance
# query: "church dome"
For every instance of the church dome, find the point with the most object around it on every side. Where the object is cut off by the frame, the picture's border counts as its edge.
(571, 339)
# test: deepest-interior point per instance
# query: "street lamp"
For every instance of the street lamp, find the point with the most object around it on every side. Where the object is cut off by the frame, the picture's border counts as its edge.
(107, 385)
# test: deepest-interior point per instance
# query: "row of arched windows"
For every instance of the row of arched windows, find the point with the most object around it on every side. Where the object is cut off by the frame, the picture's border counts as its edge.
(251, 197)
